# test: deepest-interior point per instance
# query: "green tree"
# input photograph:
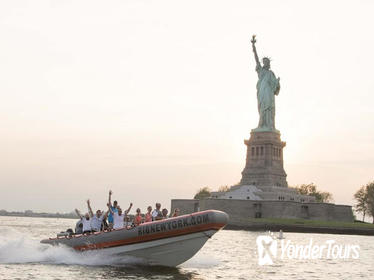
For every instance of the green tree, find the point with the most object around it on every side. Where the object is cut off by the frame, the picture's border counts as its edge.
(311, 189)
(370, 199)
(365, 200)
(362, 202)
(202, 193)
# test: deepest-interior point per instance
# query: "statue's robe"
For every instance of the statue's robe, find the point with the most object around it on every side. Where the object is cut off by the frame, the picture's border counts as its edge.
(267, 87)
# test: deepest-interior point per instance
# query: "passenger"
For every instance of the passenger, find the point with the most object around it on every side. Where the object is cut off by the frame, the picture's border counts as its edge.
(148, 215)
(119, 217)
(176, 213)
(114, 209)
(96, 220)
(79, 227)
(156, 213)
(128, 209)
(104, 225)
(138, 217)
(86, 222)
(164, 213)
(128, 222)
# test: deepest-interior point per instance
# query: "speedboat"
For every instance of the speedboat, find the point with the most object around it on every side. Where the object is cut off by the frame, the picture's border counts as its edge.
(167, 242)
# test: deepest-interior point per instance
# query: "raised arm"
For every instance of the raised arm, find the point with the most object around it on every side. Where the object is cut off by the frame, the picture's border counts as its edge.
(109, 209)
(106, 214)
(110, 198)
(78, 213)
(128, 210)
(89, 208)
(253, 41)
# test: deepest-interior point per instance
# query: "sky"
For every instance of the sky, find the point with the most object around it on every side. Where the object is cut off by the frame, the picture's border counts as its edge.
(153, 99)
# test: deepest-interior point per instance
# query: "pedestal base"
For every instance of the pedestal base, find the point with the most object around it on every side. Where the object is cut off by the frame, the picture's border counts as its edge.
(264, 162)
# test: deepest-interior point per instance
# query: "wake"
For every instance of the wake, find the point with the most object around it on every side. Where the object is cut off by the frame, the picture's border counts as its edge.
(16, 248)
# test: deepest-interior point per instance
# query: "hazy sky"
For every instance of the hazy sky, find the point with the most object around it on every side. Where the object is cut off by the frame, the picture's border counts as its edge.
(153, 99)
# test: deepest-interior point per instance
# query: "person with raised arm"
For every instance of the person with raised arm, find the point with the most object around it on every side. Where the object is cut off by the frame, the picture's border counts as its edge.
(128, 223)
(96, 220)
(86, 222)
(119, 217)
(128, 209)
(113, 207)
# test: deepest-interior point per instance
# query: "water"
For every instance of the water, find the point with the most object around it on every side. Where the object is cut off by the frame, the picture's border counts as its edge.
(228, 255)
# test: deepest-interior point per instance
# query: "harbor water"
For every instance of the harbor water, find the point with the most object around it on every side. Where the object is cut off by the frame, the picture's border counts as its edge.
(227, 255)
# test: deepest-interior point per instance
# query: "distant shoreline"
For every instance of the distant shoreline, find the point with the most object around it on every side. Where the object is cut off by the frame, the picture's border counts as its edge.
(302, 226)
(302, 229)
(39, 215)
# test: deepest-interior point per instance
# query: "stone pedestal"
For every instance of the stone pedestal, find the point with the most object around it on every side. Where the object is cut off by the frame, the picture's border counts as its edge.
(264, 162)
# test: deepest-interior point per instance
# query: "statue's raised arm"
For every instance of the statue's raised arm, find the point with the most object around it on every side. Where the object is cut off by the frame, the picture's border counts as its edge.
(267, 86)
(253, 41)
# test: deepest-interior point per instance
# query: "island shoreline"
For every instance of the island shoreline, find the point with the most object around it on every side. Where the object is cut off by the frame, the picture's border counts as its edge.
(302, 229)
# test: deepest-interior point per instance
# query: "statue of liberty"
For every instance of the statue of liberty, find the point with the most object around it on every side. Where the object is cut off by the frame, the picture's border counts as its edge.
(267, 86)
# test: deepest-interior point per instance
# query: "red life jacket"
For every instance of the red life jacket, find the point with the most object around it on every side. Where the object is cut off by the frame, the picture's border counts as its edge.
(138, 220)
(148, 217)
